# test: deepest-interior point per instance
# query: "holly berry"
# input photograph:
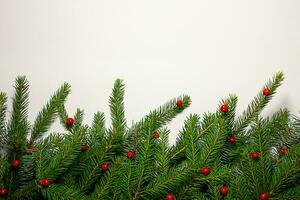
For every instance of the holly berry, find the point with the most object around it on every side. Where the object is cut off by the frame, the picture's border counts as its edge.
(16, 164)
(130, 154)
(3, 192)
(104, 167)
(84, 147)
(285, 151)
(170, 196)
(255, 155)
(155, 135)
(224, 108)
(30, 149)
(264, 196)
(266, 92)
(231, 139)
(179, 103)
(224, 191)
(45, 182)
(69, 121)
(205, 171)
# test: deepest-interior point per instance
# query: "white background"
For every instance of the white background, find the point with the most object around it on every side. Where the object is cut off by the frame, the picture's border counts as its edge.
(161, 48)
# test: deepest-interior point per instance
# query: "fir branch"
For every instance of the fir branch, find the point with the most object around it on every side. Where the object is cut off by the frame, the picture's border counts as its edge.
(190, 138)
(26, 191)
(63, 115)
(287, 172)
(164, 114)
(212, 143)
(59, 192)
(261, 142)
(27, 169)
(162, 153)
(116, 101)
(105, 184)
(18, 124)
(48, 113)
(258, 103)
(167, 182)
(68, 151)
(98, 130)
(78, 119)
(145, 155)
(3, 109)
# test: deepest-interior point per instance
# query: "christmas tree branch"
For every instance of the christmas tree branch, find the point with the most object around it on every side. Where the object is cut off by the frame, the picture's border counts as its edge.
(59, 192)
(190, 138)
(116, 101)
(3, 109)
(48, 113)
(18, 126)
(287, 171)
(162, 153)
(102, 188)
(166, 182)
(258, 103)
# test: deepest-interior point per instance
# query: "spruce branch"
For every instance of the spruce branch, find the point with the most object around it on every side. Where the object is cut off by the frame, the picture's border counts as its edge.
(104, 186)
(48, 113)
(212, 143)
(3, 109)
(116, 101)
(60, 192)
(258, 103)
(64, 157)
(97, 131)
(167, 182)
(287, 172)
(190, 138)
(18, 126)
(162, 156)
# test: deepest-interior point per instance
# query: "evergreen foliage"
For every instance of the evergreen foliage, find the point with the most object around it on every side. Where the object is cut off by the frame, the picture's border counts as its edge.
(212, 151)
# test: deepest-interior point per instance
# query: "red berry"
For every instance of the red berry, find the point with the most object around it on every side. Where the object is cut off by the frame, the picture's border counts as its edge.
(224, 108)
(84, 147)
(3, 192)
(16, 164)
(45, 182)
(104, 167)
(30, 149)
(155, 135)
(179, 103)
(231, 139)
(205, 171)
(284, 151)
(255, 155)
(266, 92)
(170, 196)
(224, 191)
(70, 121)
(264, 196)
(130, 154)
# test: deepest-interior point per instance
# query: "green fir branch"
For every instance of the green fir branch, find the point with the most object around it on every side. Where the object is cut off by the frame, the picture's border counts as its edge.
(60, 192)
(97, 131)
(190, 138)
(287, 171)
(104, 186)
(3, 109)
(165, 183)
(212, 143)
(162, 153)
(64, 157)
(258, 103)
(18, 125)
(116, 101)
(48, 113)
